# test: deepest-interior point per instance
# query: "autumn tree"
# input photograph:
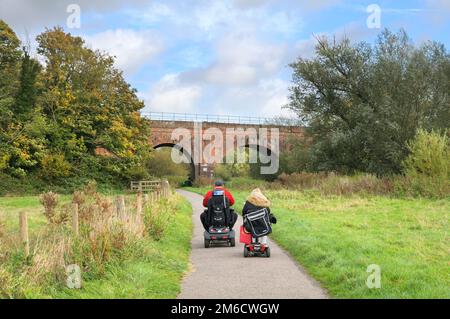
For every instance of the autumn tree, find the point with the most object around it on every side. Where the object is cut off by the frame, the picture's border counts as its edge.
(90, 105)
(54, 116)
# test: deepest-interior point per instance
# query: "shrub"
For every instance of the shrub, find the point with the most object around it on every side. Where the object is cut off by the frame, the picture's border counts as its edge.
(161, 164)
(176, 181)
(202, 181)
(137, 173)
(54, 166)
(52, 213)
(427, 168)
(223, 171)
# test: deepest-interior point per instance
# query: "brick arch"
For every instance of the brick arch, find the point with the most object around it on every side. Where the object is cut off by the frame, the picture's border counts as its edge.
(161, 134)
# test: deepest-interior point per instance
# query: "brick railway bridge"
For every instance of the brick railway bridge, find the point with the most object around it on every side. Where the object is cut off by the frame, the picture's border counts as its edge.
(164, 124)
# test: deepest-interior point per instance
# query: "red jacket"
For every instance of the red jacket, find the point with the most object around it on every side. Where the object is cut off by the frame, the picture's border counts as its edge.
(210, 193)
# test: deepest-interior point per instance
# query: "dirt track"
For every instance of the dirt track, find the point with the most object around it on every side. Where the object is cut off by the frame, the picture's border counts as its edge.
(223, 272)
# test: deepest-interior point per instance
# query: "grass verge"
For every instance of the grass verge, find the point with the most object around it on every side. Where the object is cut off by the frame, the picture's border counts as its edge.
(337, 237)
(148, 268)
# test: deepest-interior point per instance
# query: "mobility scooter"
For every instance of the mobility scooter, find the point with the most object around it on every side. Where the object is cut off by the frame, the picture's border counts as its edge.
(219, 217)
(253, 233)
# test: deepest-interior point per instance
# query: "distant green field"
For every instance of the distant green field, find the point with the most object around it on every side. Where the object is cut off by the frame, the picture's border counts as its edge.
(10, 207)
(335, 238)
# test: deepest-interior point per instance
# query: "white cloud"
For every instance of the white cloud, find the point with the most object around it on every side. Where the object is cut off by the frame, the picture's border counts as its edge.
(264, 99)
(169, 94)
(132, 49)
(242, 60)
(438, 11)
(26, 14)
(275, 97)
(318, 4)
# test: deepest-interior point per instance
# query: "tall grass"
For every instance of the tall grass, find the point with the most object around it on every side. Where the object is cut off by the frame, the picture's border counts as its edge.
(329, 183)
(105, 237)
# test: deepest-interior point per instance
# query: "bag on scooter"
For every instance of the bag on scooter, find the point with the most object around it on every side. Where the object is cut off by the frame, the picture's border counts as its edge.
(244, 236)
(258, 223)
(218, 209)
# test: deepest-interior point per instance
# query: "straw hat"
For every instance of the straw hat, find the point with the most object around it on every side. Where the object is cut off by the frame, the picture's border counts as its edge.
(257, 198)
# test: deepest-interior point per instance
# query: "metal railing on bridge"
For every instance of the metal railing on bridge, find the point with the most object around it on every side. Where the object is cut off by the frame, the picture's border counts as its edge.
(235, 119)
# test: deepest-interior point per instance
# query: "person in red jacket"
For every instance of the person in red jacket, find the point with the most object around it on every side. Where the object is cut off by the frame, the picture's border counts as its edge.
(218, 185)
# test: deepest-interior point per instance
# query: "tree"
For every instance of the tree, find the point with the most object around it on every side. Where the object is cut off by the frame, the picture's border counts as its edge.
(55, 116)
(90, 105)
(17, 146)
(362, 103)
(10, 56)
(27, 92)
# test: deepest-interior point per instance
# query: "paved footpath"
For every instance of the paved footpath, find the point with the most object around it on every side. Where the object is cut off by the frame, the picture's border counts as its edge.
(223, 272)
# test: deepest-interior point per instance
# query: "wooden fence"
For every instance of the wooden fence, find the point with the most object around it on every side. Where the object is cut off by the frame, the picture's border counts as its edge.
(149, 186)
(142, 200)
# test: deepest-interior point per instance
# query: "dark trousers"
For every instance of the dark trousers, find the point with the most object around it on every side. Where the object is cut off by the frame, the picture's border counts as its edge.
(206, 225)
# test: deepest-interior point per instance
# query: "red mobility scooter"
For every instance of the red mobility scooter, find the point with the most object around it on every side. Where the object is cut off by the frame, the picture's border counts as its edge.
(252, 234)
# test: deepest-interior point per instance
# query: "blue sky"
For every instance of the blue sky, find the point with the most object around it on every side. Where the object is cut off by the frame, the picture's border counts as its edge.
(221, 57)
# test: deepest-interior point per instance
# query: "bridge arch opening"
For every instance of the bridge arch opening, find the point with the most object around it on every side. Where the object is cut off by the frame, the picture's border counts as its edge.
(263, 151)
(187, 155)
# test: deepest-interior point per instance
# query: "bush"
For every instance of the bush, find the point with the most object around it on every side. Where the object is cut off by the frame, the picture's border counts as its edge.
(202, 181)
(54, 166)
(176, 181)
(161, 165)
(50, 202)
(223, 171)
(427, 168)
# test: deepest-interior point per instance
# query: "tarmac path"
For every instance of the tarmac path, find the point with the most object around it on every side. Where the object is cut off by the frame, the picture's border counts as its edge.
(223, 272)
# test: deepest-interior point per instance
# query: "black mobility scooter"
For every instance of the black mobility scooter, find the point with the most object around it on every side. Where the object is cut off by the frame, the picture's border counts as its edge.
(219, 217)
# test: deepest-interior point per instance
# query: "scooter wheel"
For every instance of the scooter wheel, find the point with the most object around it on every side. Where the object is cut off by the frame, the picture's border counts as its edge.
(246, 252)
(267, 252)
(207, 243)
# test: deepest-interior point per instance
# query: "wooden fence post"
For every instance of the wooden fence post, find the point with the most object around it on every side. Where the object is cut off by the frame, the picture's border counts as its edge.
(165, 188)
(139, 207)
(120, 203)
(24, 233)
(145, 200)
(75, 223)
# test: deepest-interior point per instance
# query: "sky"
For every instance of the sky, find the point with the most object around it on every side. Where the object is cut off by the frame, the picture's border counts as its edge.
(221, 57)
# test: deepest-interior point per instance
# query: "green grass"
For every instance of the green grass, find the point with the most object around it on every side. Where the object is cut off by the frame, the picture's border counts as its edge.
(335, 238)
(10, 207)
(152, 269)
(156, 273)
